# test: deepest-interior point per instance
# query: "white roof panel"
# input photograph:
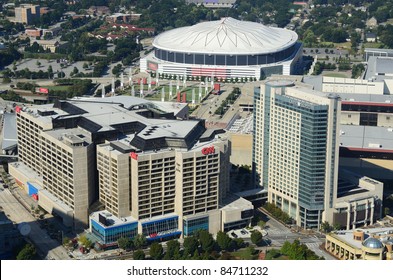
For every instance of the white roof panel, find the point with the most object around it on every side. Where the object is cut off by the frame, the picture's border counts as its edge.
(226, 36)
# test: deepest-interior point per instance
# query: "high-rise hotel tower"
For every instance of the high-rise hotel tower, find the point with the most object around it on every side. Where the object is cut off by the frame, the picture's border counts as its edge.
(295, 149)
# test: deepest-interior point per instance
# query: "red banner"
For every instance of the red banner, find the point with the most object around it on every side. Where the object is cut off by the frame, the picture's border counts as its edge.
(152, 66)
(208, 72)
(43, 90)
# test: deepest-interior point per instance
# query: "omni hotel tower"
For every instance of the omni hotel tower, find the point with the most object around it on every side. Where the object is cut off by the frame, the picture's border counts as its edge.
(295, 149)
(123, 166)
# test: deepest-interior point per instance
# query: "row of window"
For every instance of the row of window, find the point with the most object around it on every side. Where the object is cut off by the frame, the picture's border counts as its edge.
(229, 60)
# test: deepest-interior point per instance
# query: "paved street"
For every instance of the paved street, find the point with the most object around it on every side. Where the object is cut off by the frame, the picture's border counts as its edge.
(46, 247)
(278, 234)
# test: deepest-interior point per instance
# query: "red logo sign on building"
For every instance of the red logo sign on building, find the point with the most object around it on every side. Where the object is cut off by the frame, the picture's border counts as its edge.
(18, 109)
(208, 150)
(134, 155)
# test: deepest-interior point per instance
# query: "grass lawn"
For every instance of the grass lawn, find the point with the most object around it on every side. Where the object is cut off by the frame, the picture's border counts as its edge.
(372, 45)
(282, 257)
(335, 75)
(188, 91)
(58, 88)
(345, 45)
(244, 254)
(389, 21)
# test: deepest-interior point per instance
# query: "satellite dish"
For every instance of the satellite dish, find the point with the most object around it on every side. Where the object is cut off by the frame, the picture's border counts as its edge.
(24, 229)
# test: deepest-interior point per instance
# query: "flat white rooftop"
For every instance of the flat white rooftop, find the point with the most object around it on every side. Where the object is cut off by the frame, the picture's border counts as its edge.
(346, 236)
(112, 219)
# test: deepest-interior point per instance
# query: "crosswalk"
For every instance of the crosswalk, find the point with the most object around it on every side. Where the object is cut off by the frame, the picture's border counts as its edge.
(313, 245)
(276, 231)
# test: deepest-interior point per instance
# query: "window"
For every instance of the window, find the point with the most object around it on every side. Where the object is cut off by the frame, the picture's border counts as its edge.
(191, 226)
(160, 226)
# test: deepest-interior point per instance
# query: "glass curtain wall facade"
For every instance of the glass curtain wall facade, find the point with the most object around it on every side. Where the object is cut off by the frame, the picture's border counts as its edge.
(191, 226)
(111, 234)
(161, 228)
(291, 152)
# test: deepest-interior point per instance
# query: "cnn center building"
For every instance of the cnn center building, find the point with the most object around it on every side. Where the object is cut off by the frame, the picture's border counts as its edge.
(227, 48)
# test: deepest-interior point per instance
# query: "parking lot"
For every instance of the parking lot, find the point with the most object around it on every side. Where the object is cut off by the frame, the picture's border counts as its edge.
(57, 66)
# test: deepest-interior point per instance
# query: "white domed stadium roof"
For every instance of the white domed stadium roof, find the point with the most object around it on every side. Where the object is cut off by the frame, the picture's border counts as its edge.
(226, 36)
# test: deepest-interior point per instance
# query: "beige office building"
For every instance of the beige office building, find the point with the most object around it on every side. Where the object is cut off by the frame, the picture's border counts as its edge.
(27, 13)
(361, 244)
(137, 157)
(57, 162)
(152, 185)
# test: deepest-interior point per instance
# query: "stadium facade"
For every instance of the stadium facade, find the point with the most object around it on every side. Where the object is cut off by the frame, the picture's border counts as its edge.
(227, 49)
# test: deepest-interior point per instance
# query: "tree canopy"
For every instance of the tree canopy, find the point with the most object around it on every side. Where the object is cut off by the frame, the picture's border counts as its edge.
(28, 252)
(156, 251)
(223, 240)
(138, 255)
(256, 237)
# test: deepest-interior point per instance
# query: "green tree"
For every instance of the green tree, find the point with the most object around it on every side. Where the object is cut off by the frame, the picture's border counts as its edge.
(251, 250)
(172, 248)
(85, 241)
(386, 211)
(326, 227)
(196, 255)
(272, 254)
(156, 251)
(140, 241)
(286, 248)
(262, 224)
(297, 251)
(336, 226)
(6, 80)
(28, 252)
(223, 240)
(66, 241)
(309, 38)
(117, 70)
(239, 242)
(190, 244)
(206, 240)
(125, 243)
(50, 71)
(61, 74)
(256, 237)
(138, 255)
(75, 70)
